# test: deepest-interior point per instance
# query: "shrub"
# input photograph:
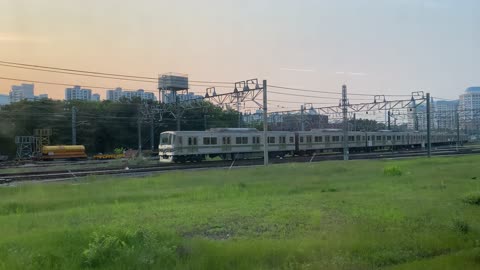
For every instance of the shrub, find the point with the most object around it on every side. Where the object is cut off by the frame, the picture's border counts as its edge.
(472, 198)
(461, 226)
(392, 171)
(103, 248)
(119, 150)
(140, 248)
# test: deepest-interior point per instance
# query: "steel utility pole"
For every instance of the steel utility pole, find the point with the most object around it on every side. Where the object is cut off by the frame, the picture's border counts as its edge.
(354, 122)
(139, 130)
(389, 125)
(152, 131)
(265, 124)
(74, 125)
(178, 111)
(457, 119)
(302, 118)
(205, 121)
(429, 145)
(345, 122)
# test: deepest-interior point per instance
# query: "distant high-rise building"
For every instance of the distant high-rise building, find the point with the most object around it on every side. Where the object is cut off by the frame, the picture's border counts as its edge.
(95, 97)
(445, 114)
(4, 99)
(41, 96)
(118, 93)
(417, 116)
(169, 97)
(469, 108)
(22, 92)
(77, 93)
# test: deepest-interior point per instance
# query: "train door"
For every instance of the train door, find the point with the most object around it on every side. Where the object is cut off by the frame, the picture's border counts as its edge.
(296, 142)
(370, 140)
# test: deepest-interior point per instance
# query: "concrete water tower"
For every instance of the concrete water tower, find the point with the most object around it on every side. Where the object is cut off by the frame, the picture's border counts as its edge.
(171, 85)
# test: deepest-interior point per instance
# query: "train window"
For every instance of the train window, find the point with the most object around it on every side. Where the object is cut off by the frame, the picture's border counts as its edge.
(241, 140)
(164, 139)
(335, 138)
(192, 140)
(226, 140)
(283, 139)
(291, 140)
(256, 140)
(301, 139)
(369, 138)
(309, 139)
(213, 140)
(358, 138)
(180, 140)
(327, 138)
(318, 138)
(389, 138)
(206, 141)
(399, 138)
(379, 138)
(351, 138)
(271, 139)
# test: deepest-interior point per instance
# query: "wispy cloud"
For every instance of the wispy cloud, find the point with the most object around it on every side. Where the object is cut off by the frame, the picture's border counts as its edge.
(297, 69)
(351, 73)
(16, 38)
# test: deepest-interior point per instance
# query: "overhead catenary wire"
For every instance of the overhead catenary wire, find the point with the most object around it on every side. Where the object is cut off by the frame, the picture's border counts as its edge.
(331, 92)
(99, 73)
(68, 84)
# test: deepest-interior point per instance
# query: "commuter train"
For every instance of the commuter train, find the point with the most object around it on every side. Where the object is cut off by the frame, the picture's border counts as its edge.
(240, 143)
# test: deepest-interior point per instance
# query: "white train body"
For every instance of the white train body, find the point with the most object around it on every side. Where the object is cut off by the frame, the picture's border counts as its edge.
(232, 143)
(184, 146)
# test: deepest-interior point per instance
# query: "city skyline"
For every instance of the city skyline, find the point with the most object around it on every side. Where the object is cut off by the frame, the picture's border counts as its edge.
(377, 47)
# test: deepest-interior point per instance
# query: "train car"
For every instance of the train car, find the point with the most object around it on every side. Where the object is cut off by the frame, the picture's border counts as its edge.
(226, 143)
(52, 152)
(326, 140)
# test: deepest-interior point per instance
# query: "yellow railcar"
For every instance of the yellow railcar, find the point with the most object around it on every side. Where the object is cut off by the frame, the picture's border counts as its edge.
(51, 152)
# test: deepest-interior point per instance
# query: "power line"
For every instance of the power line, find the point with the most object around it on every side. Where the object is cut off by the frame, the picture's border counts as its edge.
(310, 96)
(329, 92)
(100, 73)
(68, 84)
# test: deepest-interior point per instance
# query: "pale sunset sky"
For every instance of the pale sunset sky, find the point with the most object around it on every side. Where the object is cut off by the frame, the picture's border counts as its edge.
(374, 46)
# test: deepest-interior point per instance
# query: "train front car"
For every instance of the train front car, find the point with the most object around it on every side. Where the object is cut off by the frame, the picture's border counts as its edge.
(166, 147)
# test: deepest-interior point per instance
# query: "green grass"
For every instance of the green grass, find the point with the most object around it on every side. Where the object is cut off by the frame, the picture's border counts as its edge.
(406, 214)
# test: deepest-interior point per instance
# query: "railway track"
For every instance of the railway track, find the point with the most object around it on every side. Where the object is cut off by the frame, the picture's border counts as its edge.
(6, 178)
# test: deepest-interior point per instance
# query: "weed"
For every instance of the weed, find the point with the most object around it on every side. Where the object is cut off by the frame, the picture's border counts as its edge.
(461, 226)
(392, 171)
(102, 249)
(472, 198)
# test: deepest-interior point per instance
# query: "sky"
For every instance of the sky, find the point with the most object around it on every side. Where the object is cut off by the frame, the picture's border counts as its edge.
(372, 46)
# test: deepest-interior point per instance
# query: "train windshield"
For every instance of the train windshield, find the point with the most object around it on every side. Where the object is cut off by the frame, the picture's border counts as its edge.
(166, 139)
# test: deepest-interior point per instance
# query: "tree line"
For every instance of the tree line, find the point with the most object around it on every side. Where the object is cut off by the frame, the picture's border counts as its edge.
(103, 126)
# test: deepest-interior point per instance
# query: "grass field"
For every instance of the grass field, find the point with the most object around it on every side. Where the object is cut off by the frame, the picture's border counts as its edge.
(407, 214)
